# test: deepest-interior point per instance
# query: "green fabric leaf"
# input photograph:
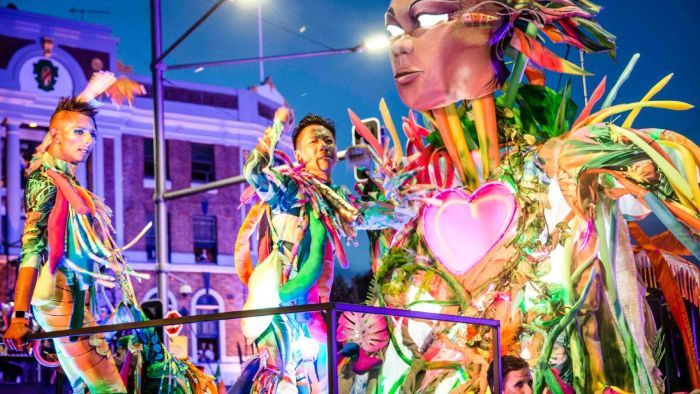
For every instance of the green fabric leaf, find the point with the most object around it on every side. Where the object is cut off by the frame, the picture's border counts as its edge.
(435, 140)
(542, 113)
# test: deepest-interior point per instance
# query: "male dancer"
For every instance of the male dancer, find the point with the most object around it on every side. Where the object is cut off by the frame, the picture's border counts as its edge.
(304, 212)
(61, 300)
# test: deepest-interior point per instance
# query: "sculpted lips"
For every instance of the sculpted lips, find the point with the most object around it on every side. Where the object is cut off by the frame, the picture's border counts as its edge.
(406, 76)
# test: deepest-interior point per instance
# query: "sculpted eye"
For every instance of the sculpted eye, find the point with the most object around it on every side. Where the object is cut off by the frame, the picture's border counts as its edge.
(430, 20)
(394, 31)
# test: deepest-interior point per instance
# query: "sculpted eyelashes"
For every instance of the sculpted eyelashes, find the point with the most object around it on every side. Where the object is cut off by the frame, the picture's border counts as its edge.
(394, 31)
(430, 20)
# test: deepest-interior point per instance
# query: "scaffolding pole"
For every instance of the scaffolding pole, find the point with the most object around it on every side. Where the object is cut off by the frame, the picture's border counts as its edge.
(161, 228)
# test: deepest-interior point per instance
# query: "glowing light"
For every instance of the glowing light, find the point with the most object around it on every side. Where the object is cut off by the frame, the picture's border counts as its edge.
(263, 292)
(307, 347)
(484, 218)
(376, 43)
(248, 3)
(32, 124)
(198, 70)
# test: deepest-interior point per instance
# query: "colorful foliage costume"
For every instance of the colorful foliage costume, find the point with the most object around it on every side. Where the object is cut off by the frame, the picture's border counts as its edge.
(553, 197)
(63, 296)
(73, 225)
(302, 222)
(68, 238)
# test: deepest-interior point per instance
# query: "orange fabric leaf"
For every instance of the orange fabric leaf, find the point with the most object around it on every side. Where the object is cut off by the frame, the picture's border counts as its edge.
(673, 297)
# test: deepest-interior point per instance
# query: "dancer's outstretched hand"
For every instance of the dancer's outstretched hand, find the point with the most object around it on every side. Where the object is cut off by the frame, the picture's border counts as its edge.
(285, 115)
(15, 337)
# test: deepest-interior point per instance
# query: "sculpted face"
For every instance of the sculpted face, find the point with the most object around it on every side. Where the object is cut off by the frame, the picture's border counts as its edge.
(440, 51)
(73, 136)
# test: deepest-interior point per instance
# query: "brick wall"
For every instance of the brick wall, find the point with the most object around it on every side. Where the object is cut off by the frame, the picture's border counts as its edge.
(108, 174)
(223, 204)
(138, 202)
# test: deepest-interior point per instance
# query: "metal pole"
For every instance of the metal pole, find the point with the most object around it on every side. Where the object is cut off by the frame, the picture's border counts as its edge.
(260, 42)
(496, 349)
(84, 331)
(161, 56)
(289, 56)
(162, 255)
(234, 180)
(332, 345)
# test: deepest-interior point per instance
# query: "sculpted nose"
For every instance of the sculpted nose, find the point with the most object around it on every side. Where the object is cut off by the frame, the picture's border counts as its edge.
(402, 46)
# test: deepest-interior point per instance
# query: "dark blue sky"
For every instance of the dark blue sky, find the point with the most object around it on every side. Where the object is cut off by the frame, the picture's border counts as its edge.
(665, 33)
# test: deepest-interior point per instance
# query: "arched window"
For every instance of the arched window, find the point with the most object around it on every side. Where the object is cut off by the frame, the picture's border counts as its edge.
(152, 294)
(208, 337)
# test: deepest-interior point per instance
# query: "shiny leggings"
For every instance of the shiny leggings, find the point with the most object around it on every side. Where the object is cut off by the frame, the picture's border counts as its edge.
(87, 361)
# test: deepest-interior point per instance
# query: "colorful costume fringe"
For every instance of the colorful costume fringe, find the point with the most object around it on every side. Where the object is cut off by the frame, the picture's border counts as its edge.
(69, 228)
(298, 216)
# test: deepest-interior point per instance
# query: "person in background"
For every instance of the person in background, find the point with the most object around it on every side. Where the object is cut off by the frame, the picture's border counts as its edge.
(515, 374)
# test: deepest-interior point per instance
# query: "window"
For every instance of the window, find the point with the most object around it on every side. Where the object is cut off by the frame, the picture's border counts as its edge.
(202, 163)
(207, 334)
(151, 237)
(149, 168)
(152, 294)
(266, 111)
(204, 231)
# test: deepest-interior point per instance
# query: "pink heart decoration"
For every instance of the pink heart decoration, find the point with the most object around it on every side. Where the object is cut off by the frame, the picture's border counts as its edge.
(461, 231)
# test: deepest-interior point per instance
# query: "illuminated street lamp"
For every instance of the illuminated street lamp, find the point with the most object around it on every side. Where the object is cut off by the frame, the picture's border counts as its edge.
(376, 43)
(260, 35)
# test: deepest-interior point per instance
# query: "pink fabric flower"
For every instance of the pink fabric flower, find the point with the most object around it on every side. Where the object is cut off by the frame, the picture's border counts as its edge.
(366, 330)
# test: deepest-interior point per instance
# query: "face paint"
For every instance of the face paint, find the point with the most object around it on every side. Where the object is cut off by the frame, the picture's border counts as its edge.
(74, 137)
(440, 50)
(316, 151)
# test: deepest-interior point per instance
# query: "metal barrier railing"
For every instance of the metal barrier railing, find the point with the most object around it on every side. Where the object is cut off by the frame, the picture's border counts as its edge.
(331, 309)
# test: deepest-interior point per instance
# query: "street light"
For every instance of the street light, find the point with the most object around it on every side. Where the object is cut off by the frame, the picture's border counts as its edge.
(260, 35)
(376, 43)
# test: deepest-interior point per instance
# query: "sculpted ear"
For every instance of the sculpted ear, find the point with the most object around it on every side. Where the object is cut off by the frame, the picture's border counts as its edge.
(297, 156)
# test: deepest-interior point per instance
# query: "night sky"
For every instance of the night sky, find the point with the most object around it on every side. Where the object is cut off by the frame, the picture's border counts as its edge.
(665, 33)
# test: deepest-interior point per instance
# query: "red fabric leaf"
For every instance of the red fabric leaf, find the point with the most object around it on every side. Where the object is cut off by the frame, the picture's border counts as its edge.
(57, 224)
(595, 97)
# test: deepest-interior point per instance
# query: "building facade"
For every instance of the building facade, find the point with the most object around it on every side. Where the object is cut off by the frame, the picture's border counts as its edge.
(209, 130)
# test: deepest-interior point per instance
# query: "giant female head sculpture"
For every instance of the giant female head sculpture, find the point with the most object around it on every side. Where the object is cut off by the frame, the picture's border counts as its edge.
(443, 51)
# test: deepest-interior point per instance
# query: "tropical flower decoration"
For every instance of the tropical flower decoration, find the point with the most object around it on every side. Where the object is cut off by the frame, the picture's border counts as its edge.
(363, 334)
(367, 331)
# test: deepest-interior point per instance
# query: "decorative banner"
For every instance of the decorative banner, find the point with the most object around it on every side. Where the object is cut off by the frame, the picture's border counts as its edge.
(465, 228)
